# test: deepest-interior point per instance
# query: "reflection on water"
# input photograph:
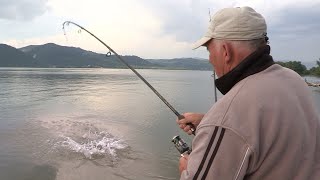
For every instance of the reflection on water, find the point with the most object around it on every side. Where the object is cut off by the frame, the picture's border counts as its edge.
(95, 123)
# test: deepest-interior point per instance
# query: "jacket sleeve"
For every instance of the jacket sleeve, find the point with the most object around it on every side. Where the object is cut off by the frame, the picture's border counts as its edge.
(217, 153)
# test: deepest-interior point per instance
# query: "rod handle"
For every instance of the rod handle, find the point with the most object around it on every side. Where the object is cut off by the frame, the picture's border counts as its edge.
(193, 129)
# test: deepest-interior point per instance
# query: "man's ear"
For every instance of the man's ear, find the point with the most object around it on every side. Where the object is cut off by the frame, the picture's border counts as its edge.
(227, 52)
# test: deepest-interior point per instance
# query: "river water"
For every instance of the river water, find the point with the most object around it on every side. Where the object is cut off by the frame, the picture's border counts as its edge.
(96, 123)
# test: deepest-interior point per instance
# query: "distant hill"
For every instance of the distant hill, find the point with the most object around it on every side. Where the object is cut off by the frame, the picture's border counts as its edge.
(53, 55)
(308, 64)
(12, 57)
(183, 63)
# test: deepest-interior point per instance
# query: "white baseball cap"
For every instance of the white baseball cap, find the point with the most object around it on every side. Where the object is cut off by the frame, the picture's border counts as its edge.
(241, 23)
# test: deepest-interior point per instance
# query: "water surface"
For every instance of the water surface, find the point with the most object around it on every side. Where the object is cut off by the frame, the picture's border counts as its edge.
(96, 123)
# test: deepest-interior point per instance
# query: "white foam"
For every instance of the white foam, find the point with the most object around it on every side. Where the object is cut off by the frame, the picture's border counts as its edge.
(91, 144)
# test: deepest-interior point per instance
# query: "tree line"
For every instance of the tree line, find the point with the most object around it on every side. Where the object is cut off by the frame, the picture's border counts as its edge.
(301, 69)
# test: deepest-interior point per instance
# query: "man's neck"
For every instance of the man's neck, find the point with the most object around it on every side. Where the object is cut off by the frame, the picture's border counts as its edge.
(239, 55)
(252, 64)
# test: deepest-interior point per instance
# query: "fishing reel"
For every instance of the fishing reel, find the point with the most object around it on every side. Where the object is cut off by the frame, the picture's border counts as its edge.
(181, 146)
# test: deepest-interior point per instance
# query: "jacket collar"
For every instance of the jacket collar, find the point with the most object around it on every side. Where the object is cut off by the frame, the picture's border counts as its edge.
(254, 63)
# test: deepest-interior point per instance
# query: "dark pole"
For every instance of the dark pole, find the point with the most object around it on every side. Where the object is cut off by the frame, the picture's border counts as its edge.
(215, 87)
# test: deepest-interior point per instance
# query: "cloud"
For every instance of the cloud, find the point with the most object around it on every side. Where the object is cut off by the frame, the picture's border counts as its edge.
(23, 10)
(293, 31)
(185, 19)
(161, 29)
(292, 25)
(297, 21)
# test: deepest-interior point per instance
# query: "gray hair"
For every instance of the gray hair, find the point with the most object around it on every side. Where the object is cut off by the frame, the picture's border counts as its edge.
(250, 44)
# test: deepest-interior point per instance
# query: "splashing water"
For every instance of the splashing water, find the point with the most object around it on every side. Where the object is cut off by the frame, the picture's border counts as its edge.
(93, 145)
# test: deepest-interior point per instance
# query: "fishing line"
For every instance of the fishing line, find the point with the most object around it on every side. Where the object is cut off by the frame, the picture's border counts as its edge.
(67, 23)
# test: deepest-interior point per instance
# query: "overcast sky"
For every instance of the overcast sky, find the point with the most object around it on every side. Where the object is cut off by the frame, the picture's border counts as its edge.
(156, 28)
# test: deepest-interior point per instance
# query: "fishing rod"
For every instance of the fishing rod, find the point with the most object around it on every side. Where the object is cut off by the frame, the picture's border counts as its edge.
(67, 23)
(215, 87)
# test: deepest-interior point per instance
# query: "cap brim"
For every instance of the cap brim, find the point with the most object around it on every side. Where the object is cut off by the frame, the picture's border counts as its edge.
(201, 42)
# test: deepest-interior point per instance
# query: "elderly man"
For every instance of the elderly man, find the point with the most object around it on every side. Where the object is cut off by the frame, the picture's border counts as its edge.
(266, 125)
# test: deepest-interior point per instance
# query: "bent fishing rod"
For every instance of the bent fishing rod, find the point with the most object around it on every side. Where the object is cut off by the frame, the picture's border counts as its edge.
(67, 23)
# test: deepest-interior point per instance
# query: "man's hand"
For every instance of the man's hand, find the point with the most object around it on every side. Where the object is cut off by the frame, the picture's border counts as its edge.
(193, 118)
(183, 163)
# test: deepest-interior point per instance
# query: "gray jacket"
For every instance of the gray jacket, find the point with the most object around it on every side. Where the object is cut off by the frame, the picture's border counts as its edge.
(265, 127)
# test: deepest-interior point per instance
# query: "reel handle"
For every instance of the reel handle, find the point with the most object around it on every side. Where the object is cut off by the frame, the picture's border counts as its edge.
(193, 129)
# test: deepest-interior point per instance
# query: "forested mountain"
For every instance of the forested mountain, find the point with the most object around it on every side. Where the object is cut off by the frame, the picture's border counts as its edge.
(52, 55)
(12, 57)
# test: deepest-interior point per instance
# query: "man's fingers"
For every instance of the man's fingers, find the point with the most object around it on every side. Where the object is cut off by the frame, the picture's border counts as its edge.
(184, 121)
(187, 128)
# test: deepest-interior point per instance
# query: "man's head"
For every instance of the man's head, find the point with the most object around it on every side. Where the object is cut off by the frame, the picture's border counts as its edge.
(233, 34)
